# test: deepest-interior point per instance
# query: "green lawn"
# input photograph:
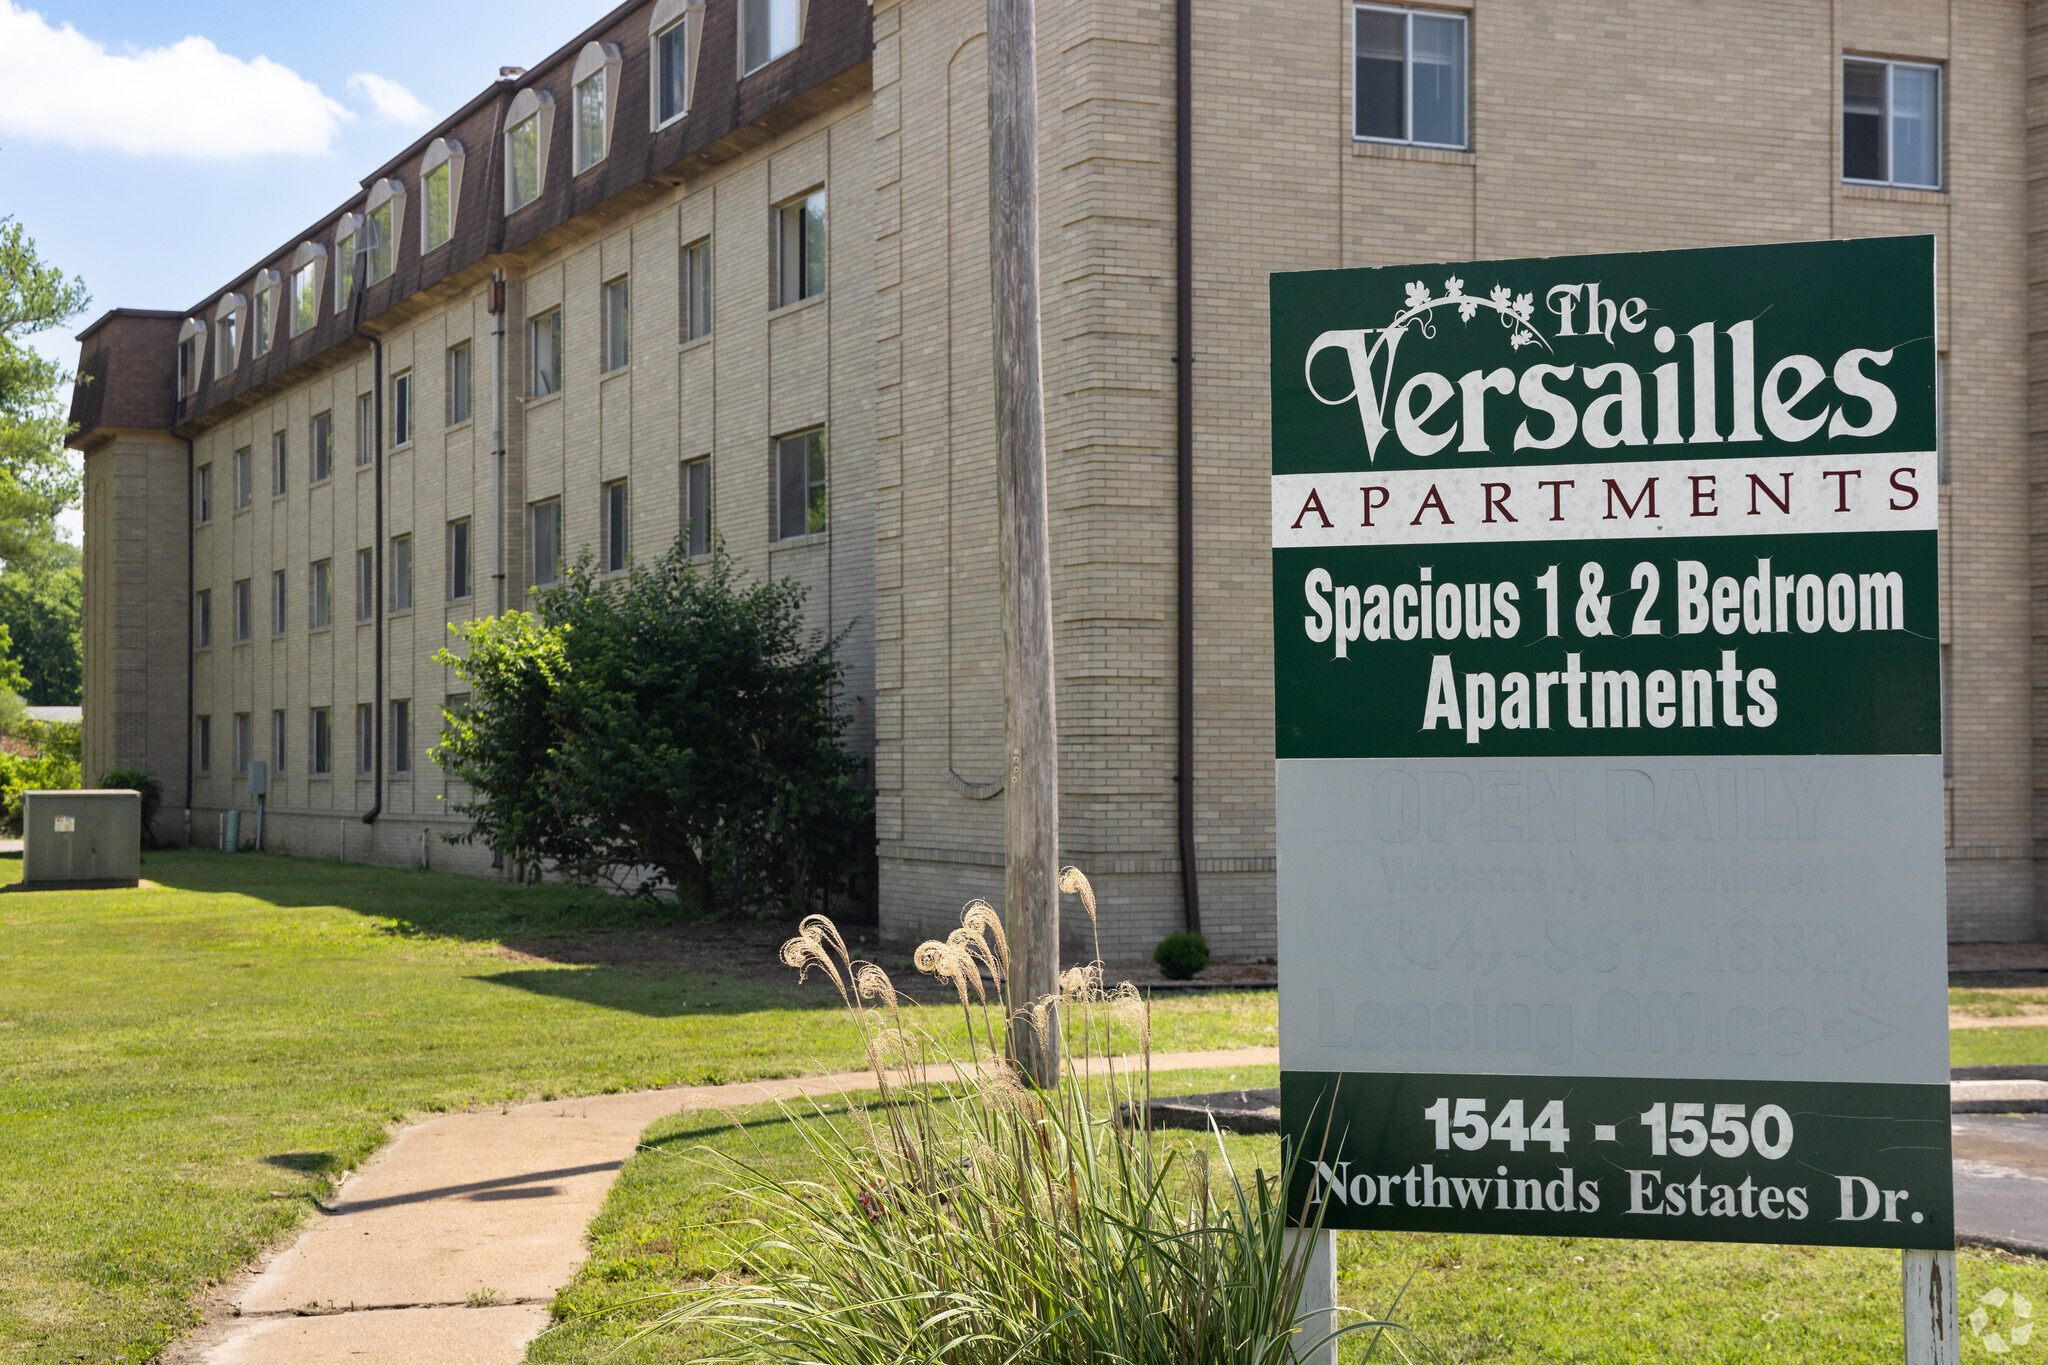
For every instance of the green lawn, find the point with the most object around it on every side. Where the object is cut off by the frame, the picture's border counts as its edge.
(183, 1068)
(1500, 1299)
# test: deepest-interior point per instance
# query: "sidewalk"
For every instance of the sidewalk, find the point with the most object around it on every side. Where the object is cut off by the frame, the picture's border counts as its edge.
(448, 1245)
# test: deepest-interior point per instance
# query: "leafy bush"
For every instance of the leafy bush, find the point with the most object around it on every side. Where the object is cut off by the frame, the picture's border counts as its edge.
(144, 781)
(672, 728)
(966, 1218)
(51, 766)
(1181, 957)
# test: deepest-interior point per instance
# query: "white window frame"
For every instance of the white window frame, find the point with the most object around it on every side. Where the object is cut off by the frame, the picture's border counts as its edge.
(824, 482)
(1891, 68)
(265, 293)
(191, 353)
(366, 430)
(698, 296)
(320, 741)
(321, 608)
(1408, 14)
(617, 317)
(245, 478)
(774, 54)
(366, 739)
(386, 207)
(538, 107)
(462, 563)
(401, 573)
(461, 368)
(546, 571)
(673, 16)
(615, 506)
(242, 604)
(600, 63)
(280, 456)
(401, 737)
(202, 494)
(798, 210)
(309, 266)
(695, 519)
(541, 326)
(320, 446)
(366, 584)
(345, 230)
(228, 325)
(401, 410)
(444, 156)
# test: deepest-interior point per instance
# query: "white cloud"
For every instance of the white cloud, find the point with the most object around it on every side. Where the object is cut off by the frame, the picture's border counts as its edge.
(189, 99)
(389, 101)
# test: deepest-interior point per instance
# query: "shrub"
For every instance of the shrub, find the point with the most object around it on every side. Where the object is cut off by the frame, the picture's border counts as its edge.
(668, 729)
(967, 1218)
(1181, 957)
(144, 781)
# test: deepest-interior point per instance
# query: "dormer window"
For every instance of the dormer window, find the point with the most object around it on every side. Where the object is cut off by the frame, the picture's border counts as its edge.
(672, 32)
(227, 333)
(345, 261)
(596, 81)
(768, 29)
(191, 355)
(440, 191)
(529, 132)
(264, 296)
(383, 219)
(307, 263)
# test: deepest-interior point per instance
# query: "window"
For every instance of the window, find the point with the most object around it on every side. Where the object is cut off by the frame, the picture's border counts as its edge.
(1408, 76)
(696, 518)
(768, 28)
(323, 594)
(440, 191)
(366, 584)
(320, 440)
(259, 336)
(245, 611)
(306, 288)
(381, 225)
(401, 737)
(188, 360)
(1891, 123)
(401, 573)
(800, 270)
(697, 290)
(277, 464)
(529, 129)
(245, 478)
(401, 409)
(202, 492)
(800, 485)
(345, 262)
(547, 541)
(276, 742)
(454, 710)
(202, 743)
(615, 352)
(458, 384)
(671, 73)
(615, 527)
(321, 741)
(227, 335)
(459, 585)
(544, 341)
(366, 739)
(243, 743)
(202, 610)
(590, 122)
(277, 602)
(366, 429)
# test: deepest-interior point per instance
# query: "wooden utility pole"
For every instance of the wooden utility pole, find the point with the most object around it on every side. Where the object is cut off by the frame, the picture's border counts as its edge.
(1031, 785)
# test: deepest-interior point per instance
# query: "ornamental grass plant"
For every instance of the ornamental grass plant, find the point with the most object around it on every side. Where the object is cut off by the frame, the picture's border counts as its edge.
(964, 1216)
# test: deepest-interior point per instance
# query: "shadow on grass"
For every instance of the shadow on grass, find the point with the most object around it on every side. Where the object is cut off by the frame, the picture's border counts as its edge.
(306, 1163)
(633, 955)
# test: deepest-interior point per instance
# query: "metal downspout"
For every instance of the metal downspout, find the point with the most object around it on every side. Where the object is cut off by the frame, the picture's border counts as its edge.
(376, 541)
(1184, 463)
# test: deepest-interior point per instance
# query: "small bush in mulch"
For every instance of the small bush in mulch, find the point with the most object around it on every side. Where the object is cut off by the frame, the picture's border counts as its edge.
(1182, 956)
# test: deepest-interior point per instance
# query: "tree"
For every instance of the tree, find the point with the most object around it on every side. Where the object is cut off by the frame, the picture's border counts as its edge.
(39, 613)
(672, 729)
(37, 480)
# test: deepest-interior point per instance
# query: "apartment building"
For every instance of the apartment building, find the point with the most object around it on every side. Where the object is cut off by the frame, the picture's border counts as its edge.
(723, 266)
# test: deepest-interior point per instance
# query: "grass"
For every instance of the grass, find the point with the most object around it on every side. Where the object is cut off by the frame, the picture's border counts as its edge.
(184, 1069)
(1470, 1299)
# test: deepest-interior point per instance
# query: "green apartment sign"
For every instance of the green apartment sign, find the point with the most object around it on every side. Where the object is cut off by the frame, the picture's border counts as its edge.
(1607, 719)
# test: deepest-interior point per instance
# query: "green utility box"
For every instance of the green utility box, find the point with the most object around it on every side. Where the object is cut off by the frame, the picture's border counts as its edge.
(80, 839)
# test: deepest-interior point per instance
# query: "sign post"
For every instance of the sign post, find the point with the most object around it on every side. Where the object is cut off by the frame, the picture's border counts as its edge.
(1608, 740)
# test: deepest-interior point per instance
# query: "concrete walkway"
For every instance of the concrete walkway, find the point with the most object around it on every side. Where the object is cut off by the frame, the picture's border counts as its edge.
(449, 1243)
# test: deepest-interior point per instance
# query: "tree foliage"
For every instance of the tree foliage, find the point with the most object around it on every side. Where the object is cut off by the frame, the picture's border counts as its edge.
(37, 480)
(40, 602)
(672, 729)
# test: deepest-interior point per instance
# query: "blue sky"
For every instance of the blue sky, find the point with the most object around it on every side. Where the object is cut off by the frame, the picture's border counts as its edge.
(158, 149)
